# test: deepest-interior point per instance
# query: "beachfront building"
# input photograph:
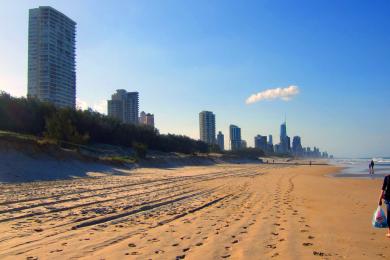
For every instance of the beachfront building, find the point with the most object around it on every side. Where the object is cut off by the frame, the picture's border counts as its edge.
(146, 119)
(261, 142)
(270, 145)
(235, 137)
(51, 57)
(221, 141)
(270, 140)
(288, 144)
(283, 131)
(297, 146)
(207, 127)
(124, 106)
(284, 145)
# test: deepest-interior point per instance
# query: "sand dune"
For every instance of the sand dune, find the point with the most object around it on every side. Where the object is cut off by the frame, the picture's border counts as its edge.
(215, 212)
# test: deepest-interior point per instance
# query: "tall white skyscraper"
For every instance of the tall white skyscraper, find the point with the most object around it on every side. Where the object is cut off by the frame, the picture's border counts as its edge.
(207, 127)
(124, 106)
(51, 57)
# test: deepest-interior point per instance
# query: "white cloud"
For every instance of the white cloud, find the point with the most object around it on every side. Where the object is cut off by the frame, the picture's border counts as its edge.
(275, 93)
(100, 106)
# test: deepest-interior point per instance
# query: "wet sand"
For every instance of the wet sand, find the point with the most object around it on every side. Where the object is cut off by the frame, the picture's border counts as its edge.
(215, 212)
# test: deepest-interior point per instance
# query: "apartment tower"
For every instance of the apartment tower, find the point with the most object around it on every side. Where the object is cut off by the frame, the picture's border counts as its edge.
(221, 141)
(146, 119)
(207, 127)
(235, 137)
(124, 106)
(51, 57)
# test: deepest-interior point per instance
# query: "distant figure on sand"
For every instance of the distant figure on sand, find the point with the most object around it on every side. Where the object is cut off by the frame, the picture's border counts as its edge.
(385, 196)
(371, 167)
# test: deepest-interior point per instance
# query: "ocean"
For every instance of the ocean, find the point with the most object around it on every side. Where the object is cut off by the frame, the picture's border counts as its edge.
(359, 167)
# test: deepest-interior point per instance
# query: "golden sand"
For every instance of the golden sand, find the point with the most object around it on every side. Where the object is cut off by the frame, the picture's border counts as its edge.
(216, 212)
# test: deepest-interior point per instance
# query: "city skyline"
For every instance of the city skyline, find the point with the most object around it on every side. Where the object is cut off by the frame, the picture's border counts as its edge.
(343, 83)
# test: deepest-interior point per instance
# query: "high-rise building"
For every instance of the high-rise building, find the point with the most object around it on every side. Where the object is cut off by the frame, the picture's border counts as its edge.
(124, 106)
(270, 140)
(221, 141)
(235, 137)
(146, 119)
(288, 144)
(142, 118)
(261, 142)
(243, 144)
(284, 139)
(207, 127)
(51, 57)
(297, 146)
(270, 145)
(283, 132)
(277, 148)
(316, 152)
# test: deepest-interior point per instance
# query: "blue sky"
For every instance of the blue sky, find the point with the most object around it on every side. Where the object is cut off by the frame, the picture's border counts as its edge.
(188, 56)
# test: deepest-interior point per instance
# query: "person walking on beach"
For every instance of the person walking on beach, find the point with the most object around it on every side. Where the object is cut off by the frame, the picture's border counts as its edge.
(369, 169)
(372, 167)
(385, 196)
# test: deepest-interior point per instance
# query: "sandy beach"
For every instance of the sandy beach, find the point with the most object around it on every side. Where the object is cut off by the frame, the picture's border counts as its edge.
(237, 211)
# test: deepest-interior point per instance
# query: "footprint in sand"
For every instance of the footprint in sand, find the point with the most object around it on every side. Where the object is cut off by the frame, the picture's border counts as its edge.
(186, 249)
(271, 246)
(131, 245)
(180, 256)
(235, 241)
(199, 244)
(225, 256)
(317, 253)
(176, 244)
(307, 244)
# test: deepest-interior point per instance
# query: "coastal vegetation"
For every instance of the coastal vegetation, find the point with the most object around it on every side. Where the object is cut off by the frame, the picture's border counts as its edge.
(65, 125)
